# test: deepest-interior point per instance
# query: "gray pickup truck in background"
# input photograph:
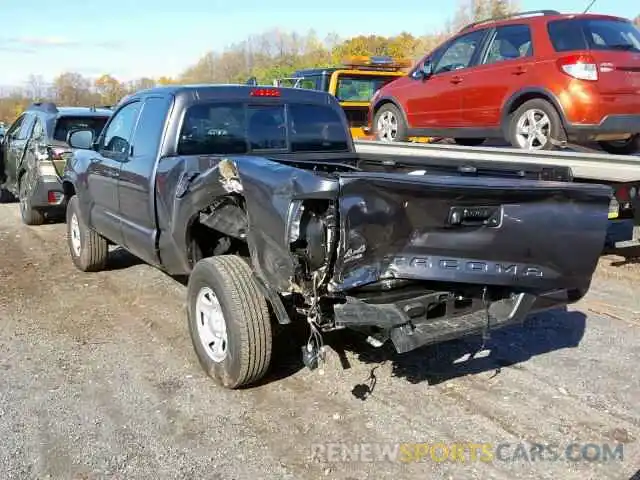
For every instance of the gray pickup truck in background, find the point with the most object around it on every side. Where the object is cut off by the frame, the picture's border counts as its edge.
(257, 195)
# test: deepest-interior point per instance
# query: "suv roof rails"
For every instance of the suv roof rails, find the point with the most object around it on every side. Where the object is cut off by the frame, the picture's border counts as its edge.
(44, 106)
(512, 15)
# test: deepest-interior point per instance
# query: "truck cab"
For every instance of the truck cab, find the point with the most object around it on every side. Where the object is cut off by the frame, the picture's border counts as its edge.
(352, 83)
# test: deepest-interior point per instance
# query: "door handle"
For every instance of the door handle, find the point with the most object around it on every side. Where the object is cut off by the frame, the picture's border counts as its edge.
(456, 80)
(519, 70)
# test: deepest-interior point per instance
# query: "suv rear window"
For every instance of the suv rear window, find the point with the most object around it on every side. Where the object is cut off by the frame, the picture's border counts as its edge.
(65, 124)
(593, 34)
(239, 128)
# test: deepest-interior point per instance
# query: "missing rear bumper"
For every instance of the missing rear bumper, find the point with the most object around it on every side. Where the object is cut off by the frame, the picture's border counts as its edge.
(439, 316)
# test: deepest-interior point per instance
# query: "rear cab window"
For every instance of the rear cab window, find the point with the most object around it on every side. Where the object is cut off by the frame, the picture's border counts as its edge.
(593, 34)
(67, 123)
(227, 128)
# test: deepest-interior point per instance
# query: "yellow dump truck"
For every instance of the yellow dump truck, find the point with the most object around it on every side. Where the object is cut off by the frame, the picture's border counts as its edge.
(352, 83)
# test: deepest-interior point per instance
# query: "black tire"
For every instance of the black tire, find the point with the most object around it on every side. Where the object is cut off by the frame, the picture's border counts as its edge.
(30, 215)
(469, 142)
(94, 249)
(555, 130)
(246, 318)
(401, 132)
(625, 147)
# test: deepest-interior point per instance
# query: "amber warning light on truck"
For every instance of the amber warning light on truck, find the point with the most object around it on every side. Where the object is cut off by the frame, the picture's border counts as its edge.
(377, 63)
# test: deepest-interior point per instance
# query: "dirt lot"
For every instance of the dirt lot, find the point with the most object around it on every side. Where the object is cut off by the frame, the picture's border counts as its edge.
(98, 380)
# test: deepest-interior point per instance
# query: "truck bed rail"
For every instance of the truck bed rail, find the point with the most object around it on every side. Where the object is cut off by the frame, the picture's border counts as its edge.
(588, 166)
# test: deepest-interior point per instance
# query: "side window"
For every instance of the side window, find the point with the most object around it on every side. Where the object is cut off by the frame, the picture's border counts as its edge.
(460, 52)
(567, 35)
(118, 133)
(13, 129)
(27, 127)
(309, 83)
(38, 131)
(146, 139)
(266, 127)
(509, 43)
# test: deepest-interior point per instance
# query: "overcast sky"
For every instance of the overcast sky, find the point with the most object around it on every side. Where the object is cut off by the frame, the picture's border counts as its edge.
(135, 38)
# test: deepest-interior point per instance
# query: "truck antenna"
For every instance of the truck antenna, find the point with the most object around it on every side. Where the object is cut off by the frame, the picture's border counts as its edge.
(589, 6)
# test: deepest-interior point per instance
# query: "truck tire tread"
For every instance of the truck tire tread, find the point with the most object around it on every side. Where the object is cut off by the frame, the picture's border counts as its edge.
(94, 248)
(247, 319)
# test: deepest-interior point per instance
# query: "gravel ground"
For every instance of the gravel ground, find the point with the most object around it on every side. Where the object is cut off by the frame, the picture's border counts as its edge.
(98, 380)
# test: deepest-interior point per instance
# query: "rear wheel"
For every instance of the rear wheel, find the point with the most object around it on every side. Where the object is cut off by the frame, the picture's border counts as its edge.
(469, 142)
(389, 124)
(89, 251)
(229, 321)
(534, 126)
(30, 216)
(622, 147)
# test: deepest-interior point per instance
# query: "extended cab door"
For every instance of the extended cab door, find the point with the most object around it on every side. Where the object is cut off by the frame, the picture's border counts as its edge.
(103, 171)
(136, 187)
(504, 68)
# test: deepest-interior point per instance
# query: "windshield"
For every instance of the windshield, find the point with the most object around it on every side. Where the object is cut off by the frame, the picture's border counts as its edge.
(360, 88)
(238, 128)
(65, 124)
(595, 34)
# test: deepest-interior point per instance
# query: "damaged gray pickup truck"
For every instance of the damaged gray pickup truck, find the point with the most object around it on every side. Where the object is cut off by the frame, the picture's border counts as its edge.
(257, 195)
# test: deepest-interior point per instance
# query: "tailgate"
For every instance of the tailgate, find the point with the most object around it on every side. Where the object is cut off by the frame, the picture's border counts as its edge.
(531, 235)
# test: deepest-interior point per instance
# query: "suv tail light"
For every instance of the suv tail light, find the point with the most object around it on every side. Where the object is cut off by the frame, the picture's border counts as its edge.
(582, 67)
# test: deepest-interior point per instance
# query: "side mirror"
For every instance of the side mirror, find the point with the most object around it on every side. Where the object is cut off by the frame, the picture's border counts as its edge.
(82, 139)
(427, 69)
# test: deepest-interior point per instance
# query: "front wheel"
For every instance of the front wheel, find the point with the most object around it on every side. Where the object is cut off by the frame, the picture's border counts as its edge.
(89, 250)
(389, 124)
(229, 321)
(622, 147)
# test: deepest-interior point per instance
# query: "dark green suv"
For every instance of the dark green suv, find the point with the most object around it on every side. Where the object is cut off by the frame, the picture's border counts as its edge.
(33, 153)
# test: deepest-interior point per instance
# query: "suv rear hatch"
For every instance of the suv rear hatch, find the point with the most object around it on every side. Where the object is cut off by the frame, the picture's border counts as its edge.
(59, 149)
(608, 50)
(527, 235)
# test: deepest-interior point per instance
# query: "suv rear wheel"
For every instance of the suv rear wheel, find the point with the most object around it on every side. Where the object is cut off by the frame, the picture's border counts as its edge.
(389, 124)
(622, 147)
(534, 125)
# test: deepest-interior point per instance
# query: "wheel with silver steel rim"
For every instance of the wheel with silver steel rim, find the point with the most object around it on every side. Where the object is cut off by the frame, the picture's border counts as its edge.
(535, 125)
(212, 328)
(229, 321)
(88, 249)
(389, 124)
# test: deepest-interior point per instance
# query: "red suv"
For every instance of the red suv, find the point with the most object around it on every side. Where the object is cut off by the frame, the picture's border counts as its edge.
(533, 79)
